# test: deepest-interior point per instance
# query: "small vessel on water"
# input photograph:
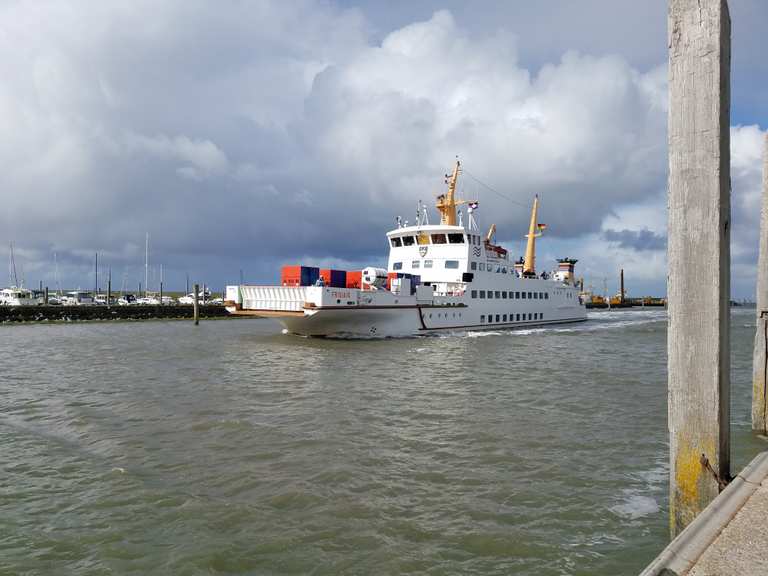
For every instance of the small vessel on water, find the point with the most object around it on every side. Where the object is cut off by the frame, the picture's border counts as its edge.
(14, 296)
(439, 278)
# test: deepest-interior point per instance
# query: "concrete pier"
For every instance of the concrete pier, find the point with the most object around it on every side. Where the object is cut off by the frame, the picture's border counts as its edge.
(729, 537)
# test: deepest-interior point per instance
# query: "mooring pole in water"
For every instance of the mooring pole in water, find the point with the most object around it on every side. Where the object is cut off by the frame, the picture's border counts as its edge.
(109, 288)
(196, 304)
(760, 357)
(46, 296)
(698, 285)
(161, 293)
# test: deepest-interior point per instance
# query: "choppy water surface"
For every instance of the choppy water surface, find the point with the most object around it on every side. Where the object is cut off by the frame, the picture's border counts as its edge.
(161, 448)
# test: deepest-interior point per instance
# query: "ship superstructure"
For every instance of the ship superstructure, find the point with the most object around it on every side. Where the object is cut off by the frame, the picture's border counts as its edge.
(439, 277)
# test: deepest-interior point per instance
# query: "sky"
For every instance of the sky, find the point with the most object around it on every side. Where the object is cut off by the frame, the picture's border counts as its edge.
(246, 135)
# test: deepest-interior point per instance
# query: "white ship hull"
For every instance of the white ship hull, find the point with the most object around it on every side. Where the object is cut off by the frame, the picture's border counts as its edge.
(340, 312)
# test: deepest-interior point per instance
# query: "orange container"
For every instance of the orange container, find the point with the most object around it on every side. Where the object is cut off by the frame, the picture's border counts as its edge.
(334, 278)
(390, 276)
(354, 278)
(298, 275)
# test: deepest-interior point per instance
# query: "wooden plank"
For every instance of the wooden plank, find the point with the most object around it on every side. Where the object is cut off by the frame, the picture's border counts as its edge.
(759, 368)
(698, 284)
(759, 360)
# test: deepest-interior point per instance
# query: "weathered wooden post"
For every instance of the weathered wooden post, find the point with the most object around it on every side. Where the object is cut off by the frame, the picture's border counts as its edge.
(45, 300)
(196, 304)
(760, 358)
(698, 285)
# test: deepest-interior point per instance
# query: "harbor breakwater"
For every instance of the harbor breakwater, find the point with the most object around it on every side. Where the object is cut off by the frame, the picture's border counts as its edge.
(88, 313)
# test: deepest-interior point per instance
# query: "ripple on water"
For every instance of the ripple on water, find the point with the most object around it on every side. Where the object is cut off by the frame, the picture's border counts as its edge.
(234, 449)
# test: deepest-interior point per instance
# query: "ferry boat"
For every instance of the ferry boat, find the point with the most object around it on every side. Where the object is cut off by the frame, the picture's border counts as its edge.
(439, 277)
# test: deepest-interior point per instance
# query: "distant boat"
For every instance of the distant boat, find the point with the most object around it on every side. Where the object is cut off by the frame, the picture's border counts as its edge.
(77, 298)
(14, 296)
(148, 301)
(126, 300)
(18, 295)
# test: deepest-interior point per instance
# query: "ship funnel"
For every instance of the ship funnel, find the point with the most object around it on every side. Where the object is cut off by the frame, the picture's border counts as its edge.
(565, 270)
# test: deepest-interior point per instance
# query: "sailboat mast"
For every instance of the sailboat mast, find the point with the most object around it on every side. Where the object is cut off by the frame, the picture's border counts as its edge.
(12, 268)
(146, 264)
(96, 275)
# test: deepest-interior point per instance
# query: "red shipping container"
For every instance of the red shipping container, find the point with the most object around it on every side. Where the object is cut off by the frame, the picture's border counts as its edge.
(354, 278)
(298, 275)
(334, 278)
(290, 276)
(390, 276)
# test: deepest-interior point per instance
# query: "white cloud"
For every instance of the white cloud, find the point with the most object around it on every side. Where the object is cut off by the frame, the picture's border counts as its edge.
(299, 136)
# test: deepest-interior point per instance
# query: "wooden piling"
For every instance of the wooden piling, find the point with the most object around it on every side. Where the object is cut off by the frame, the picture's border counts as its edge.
(760, 355)
(698, 286)
(45, 298)
(196, 313)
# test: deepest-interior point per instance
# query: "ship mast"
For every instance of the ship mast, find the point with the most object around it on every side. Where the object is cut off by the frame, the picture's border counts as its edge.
(529, 268)
(447, 203)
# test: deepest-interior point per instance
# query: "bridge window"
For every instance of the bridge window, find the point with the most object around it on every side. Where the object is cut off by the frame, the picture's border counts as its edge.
(455, 239)
(498, 294)
(409, 240)
(422, 238)
(482, 318)
(535, 295)
(473, 266)
(529, 295)
(490, 293)
(474, 293)
(518, 317)
(482, 293)
(517, 295)
(396, 242)
(504, 294)
(397, 266)
(427, 263)
(415, 264)
(504, 317)
(497, 318)
(453, 264)
(438, 239)
(523, 295)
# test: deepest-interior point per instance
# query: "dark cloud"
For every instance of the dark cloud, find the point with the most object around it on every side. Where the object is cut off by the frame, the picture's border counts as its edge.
(636, 239)
(265, 132)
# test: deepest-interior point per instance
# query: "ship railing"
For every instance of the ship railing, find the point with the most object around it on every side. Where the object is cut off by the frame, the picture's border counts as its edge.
(286, 298)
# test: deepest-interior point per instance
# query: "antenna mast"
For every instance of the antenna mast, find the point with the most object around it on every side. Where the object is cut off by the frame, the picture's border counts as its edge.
(447, 203)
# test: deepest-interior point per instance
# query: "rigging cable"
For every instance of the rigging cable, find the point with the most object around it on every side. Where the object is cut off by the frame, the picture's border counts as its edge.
(476, 179)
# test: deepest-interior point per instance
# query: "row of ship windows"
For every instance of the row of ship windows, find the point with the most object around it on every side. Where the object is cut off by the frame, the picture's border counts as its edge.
(424, 239)
(451, 264)
(482, 267)
(512, 317)
(502, 295)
